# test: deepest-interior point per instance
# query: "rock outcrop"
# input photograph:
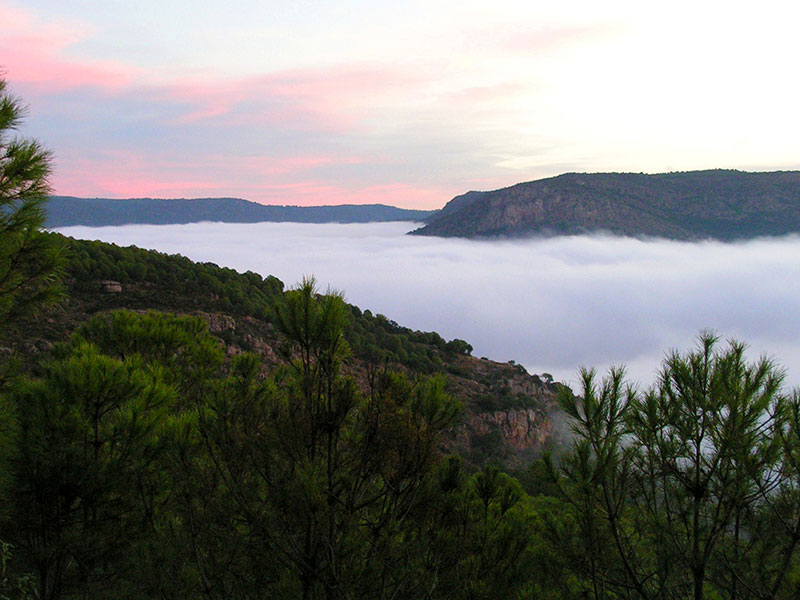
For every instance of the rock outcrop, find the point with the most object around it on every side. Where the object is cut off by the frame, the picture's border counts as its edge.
(717, 204)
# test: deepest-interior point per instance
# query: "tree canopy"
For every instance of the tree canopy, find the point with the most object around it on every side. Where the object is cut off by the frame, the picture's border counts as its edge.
(689, 489)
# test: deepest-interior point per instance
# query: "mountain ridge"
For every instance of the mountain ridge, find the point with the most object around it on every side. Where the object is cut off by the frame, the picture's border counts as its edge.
(686, 205)
(66, 211)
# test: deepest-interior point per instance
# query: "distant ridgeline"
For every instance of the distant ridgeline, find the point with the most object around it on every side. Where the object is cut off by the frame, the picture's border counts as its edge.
(64, 211)
(718, 204)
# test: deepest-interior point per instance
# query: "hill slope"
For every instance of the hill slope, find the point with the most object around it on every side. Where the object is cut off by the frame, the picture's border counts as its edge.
(64, 211)
(719, 204)
(508, 413)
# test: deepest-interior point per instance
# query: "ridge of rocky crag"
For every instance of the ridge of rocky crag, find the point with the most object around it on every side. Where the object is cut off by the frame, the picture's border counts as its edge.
(713, 204)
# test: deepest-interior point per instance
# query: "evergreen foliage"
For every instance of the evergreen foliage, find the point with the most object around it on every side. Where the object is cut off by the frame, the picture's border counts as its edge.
(144, 466)
(169, 279)
(166, 281)
(30, 260)
(89, 429)
(138, 461)
(30, 269)
(143, 463)
(688, 490)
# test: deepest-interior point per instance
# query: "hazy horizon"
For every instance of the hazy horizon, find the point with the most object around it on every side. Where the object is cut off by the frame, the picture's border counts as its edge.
(550, 304)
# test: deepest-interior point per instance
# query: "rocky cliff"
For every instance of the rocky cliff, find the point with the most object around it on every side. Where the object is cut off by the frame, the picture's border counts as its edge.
(718, 204)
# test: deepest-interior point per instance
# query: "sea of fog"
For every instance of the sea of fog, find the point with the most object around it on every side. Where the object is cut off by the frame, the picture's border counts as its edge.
(551, 305)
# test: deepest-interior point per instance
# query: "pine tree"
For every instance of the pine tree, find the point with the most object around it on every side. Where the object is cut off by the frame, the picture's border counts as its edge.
(689, 489)
(30, 259)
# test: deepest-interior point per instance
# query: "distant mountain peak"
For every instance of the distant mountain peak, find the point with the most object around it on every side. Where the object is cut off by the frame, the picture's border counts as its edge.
(721, 204)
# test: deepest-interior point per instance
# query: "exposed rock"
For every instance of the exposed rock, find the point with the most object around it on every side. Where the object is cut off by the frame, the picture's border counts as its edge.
(218, 322)
(511, 437)
(261, 347)
(111, 287)
(523, 429)
(35, 346)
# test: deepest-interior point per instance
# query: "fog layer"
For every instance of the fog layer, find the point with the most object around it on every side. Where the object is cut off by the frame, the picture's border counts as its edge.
(550, 304)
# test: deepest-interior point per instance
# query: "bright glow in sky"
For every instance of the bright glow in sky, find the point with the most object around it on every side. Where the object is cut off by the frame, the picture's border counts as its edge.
(406, 103)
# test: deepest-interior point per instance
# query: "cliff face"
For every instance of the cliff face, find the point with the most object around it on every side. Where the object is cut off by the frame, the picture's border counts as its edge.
(507, 413)
(694, 205)
(513, 437)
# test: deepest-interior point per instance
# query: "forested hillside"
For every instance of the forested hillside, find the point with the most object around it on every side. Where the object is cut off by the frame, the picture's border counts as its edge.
(506, 410)
(716, 204)
(168, 495)
(220, 446)
(64, 211)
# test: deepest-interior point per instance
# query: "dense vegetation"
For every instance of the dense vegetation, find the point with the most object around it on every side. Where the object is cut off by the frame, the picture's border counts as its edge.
(64, 211)
(167, 281)
(172, 277)
(717, 204)
(246, 301)
(140, 461)
(142, 466)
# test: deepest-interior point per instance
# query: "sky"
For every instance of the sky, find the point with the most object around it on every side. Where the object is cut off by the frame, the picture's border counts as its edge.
(550, 304)
(406, 102)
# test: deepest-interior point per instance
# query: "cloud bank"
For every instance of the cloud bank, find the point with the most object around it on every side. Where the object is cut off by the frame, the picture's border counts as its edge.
(549, 304)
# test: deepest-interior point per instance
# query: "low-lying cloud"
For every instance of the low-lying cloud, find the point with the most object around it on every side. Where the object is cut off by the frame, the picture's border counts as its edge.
(550, 304)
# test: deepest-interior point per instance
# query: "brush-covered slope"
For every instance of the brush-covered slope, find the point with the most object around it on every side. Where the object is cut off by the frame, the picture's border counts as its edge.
(718, 204)
(508, 414)
(64, 211)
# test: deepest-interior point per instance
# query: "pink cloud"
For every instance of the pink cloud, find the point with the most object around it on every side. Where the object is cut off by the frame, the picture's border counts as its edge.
(403, 195)
(241, 103)
(26, 64)
(35, 52)
(332, 99)
(314, 193)
(326, 102)
(343, 82)
(203, 112)
(125, 174)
